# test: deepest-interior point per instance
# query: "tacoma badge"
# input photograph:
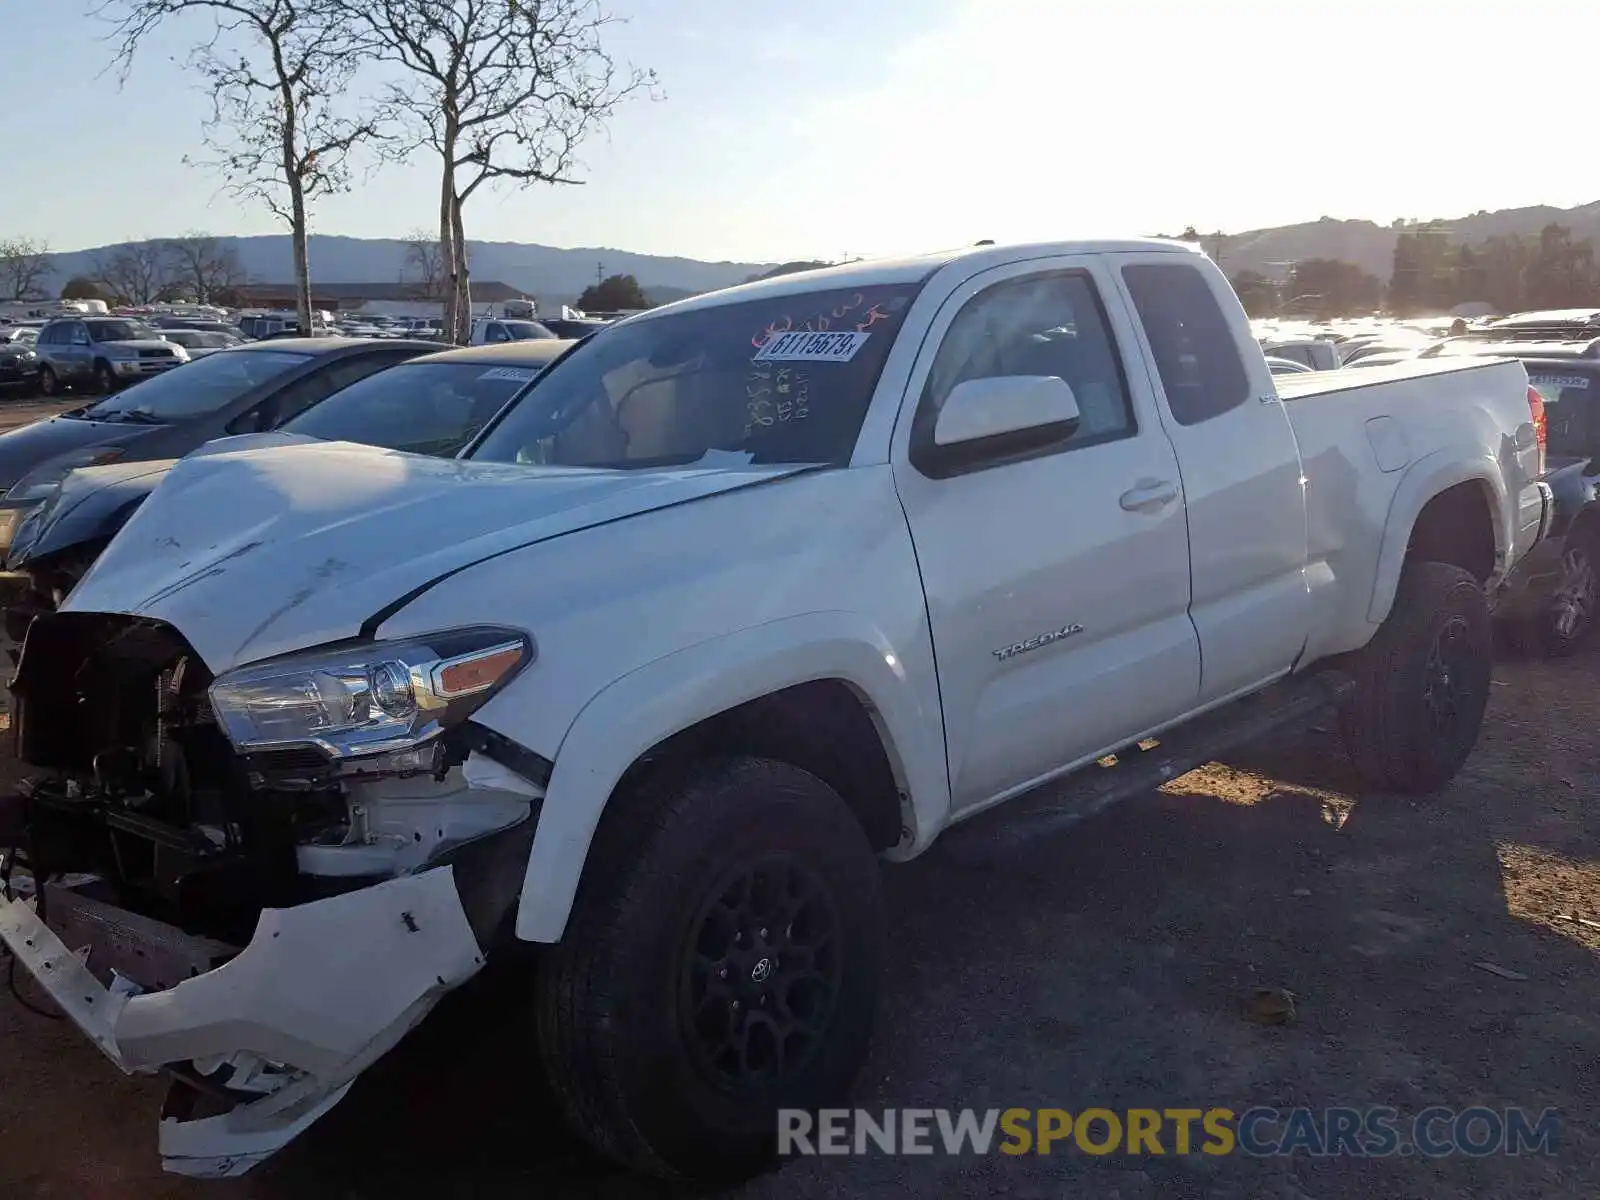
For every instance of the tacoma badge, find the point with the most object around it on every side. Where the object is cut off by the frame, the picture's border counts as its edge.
(1033, 643)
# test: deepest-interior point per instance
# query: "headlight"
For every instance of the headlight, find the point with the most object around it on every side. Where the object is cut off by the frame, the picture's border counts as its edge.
(42, 482)
(371, 697)
(10, 518)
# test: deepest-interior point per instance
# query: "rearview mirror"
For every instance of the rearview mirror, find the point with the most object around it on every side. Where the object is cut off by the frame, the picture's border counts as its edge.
(1007, 414)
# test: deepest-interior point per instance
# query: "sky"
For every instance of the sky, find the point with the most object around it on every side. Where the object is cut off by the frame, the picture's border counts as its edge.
(843, 128)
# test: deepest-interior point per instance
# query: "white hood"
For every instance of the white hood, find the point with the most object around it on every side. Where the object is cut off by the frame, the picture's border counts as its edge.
(258, 549)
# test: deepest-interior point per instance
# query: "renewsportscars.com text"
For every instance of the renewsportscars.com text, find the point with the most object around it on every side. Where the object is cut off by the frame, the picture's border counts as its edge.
(1371, 1132)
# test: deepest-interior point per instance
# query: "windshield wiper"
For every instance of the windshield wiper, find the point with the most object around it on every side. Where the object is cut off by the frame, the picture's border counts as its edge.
(137, 416)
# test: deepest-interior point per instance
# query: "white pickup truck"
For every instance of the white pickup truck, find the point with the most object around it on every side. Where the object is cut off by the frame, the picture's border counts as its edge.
(744, 594)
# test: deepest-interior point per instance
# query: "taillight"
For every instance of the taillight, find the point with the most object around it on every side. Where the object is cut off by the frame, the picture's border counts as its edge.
(1541, 423)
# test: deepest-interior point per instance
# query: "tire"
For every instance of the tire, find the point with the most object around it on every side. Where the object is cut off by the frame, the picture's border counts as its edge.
(671, 905)
(1569, 623)
(105, 380)
(49, 385)
(1422, 683)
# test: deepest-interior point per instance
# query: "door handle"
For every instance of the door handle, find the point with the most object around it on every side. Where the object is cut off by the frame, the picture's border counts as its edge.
(1149, 495)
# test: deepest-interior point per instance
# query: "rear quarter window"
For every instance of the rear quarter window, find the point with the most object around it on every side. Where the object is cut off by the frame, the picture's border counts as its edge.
(1191, 339)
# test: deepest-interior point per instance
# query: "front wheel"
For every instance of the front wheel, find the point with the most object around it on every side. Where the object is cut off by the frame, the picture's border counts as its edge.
(49, 385)
(721, 964)
(1422, 683)
(105, 379)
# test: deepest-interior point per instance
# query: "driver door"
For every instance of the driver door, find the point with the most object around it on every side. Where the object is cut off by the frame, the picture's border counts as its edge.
(1057, 583)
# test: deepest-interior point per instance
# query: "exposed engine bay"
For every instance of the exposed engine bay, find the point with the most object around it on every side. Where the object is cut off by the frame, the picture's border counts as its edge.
(258, 926)
(142, 788)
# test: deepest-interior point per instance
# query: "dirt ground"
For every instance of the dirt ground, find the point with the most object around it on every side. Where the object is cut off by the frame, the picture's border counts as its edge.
(1102, 968)
(20, 410)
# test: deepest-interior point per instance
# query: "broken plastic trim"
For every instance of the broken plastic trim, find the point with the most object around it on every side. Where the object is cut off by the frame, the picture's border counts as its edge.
(324, 988)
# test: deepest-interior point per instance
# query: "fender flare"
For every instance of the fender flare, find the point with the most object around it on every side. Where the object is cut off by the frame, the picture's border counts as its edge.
(1422, 481)
(677, 691)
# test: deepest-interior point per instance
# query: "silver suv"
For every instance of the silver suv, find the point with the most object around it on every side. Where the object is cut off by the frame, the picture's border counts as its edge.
(102, 352)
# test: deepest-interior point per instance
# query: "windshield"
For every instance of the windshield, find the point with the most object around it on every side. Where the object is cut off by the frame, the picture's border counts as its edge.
(421, 408)
(119, 331)
(200, 387)
(783, 379)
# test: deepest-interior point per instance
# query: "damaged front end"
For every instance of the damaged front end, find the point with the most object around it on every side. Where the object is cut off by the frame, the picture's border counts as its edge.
(257, 884)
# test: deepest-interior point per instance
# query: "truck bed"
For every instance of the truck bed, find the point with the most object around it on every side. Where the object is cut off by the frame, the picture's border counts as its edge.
(1300, 386)
(1410, 421)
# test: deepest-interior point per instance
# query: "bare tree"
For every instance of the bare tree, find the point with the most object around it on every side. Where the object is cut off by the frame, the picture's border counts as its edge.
(423, 266)
(282, 124)
(501, 90)
(24, 263)
(136, 273)
(205, 265)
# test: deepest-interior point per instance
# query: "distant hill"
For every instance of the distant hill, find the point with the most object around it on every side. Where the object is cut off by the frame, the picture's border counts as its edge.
(1371, 246)
(555, 276)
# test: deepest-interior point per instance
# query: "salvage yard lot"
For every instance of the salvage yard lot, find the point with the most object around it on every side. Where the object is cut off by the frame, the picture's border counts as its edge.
(1103, 969)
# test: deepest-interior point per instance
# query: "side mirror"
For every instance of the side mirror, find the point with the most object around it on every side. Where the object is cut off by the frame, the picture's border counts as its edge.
(1003, 416)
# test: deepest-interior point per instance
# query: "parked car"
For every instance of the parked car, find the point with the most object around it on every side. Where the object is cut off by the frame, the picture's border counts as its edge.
(1315, 354)
(19, 335)
(19, 367)
(1551, 602)
(723, 608)
(430, 404)
(1286, 366)
(101, 352)
(488, 331)
(164, 323)
(200, 342)
(260, 326)
(247, 389)
(568, 327)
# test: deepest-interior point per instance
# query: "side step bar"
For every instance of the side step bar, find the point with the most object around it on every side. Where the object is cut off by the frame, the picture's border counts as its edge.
(1133, 771)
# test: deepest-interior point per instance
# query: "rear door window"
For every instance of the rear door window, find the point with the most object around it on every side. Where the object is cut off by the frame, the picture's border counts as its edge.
(1191, 339)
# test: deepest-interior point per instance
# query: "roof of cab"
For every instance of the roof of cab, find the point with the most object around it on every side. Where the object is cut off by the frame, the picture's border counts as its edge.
(530, 352)
(912, 269)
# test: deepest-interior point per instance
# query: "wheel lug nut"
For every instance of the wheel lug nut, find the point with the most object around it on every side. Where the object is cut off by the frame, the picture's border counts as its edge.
(736, 1006)
(722, 972)
(763, 935)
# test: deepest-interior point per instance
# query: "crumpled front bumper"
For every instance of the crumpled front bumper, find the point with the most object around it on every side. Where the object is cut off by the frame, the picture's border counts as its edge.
(321, 991)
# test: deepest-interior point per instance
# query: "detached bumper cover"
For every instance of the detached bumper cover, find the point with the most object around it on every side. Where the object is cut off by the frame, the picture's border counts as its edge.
(322, 991)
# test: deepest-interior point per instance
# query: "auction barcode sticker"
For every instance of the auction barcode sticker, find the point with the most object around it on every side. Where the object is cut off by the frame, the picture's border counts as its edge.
(517, 374)
(811, 347)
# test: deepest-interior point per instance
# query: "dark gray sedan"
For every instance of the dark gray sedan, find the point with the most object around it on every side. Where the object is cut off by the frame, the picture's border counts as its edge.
(433, 405)
(245, 389)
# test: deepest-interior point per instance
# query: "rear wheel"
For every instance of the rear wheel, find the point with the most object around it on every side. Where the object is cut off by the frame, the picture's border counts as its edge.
(105, 379)
(721, 964)
(1422, 683)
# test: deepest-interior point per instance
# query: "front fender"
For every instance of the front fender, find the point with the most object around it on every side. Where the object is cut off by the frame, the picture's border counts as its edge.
(1422, 481)
(681, 689)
